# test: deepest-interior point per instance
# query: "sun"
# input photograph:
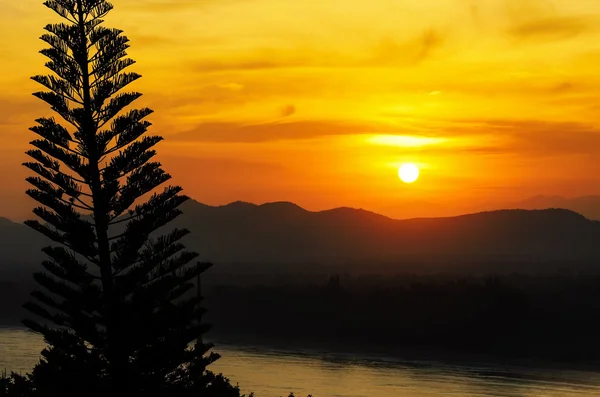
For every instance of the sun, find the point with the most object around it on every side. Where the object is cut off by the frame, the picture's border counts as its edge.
(408, 172)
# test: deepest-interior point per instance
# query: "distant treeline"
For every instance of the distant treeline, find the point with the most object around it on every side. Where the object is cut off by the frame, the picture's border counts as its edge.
(516, 316)
(545, 316)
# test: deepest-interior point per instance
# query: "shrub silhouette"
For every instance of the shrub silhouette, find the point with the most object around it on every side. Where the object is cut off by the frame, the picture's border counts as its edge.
(16, 386)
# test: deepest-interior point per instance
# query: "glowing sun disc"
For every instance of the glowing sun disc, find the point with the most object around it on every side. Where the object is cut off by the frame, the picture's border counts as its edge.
(408, 172)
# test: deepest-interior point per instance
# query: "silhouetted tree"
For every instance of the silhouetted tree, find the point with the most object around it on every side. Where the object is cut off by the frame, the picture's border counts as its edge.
(123, 323)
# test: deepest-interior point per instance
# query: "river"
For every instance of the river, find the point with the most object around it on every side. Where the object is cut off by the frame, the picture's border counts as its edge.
(274, 373)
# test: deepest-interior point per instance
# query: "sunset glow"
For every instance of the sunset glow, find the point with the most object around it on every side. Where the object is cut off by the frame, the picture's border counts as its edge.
(320, 102)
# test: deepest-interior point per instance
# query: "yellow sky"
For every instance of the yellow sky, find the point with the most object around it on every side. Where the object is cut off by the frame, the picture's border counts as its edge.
(319, 101)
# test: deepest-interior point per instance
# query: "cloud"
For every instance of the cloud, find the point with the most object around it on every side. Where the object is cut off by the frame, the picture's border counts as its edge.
(288, 110)
(563, 87)
(389, 51)
(392, 51)
(484, 149)
(261, 60)
(553, 28)
(233, 132)
(429, 41)
(520, 137)
(231, 86)
(537, 137)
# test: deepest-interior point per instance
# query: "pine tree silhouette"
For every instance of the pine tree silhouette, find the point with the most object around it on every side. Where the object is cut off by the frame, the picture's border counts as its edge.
(118, 317)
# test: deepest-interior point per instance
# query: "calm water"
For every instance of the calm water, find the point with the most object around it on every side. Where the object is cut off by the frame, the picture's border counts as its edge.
(271, 373)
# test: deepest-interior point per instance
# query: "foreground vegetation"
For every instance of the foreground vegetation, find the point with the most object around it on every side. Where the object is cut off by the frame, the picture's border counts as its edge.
(112, 303)
(15, 385)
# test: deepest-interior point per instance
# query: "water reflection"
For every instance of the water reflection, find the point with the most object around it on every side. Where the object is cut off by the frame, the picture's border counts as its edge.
(19, 349)
(273, 373)
(347, 376)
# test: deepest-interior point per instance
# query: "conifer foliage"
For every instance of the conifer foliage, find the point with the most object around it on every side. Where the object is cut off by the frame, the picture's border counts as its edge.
(118, 316)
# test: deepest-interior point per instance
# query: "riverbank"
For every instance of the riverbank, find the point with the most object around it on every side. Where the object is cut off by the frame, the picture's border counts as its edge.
(341, 351)
(277, 370)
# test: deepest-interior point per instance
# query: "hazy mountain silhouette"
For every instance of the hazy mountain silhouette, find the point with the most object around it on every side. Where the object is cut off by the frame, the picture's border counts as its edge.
(19, 247)
(588, 206)
(284, 233)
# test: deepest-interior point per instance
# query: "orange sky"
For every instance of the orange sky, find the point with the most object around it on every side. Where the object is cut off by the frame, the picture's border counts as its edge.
(318, 102)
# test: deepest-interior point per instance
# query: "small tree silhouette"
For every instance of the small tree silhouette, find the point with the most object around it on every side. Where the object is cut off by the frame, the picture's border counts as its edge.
(123, 324)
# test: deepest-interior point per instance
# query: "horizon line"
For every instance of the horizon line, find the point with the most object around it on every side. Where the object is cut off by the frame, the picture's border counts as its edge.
(460, 214)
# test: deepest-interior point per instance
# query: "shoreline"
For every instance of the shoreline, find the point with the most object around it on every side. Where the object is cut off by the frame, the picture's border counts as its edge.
(364, 354)
(380, 355)
(398, 355)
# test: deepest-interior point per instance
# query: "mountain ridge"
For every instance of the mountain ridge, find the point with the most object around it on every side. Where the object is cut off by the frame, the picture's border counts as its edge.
(588, 206)
(285, 233)
(539, 202)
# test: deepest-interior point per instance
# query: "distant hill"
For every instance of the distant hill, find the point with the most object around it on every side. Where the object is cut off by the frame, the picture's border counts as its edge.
(283, 233)
(19, 247)
(286, 233)
(588, 206)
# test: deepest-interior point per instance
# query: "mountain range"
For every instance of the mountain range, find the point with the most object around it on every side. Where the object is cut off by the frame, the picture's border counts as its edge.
(588, 206)
(283, 233)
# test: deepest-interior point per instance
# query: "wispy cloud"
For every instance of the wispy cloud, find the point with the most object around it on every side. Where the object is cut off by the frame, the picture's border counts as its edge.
(231, 86)
(391, 51)
(555, 28)
(524, 137)
(536, 137)
(288, 110)
(233, 132)
(397, 51)
(267, 59)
